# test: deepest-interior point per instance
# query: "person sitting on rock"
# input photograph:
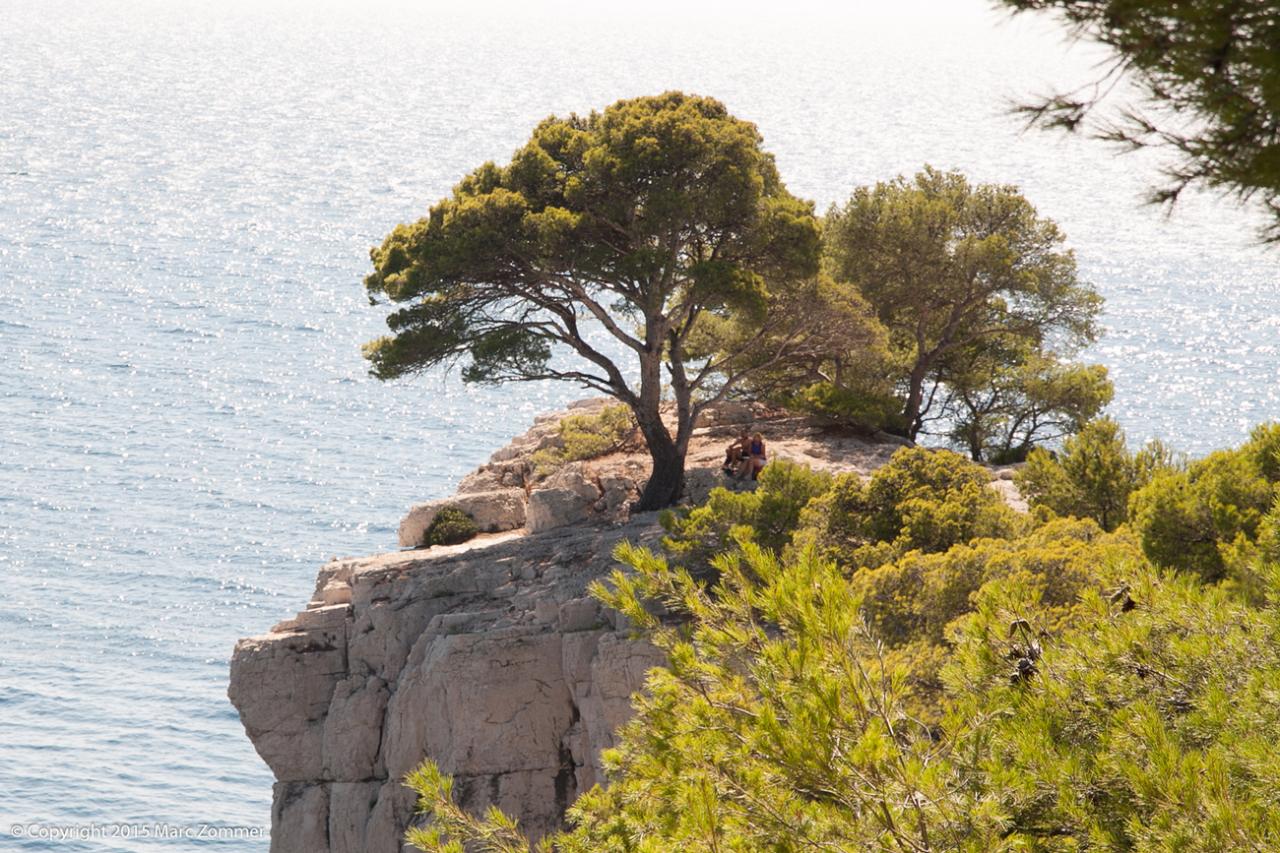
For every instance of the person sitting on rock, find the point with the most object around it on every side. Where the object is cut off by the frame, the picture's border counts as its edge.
(755, 457)
(735, 455)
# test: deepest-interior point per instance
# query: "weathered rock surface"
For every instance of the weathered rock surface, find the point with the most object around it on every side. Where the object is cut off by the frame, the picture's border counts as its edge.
(490, 659)
(567, 496)
(507, 493)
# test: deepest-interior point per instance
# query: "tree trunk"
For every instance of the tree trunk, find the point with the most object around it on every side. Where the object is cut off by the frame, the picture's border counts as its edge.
(666, 480)
(915, 397)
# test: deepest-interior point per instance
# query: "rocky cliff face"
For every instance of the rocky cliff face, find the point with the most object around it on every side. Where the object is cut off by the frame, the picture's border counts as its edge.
(488, 657)
(492, 660)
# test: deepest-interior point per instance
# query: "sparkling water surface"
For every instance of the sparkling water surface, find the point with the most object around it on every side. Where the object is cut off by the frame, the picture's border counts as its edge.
(188, 192)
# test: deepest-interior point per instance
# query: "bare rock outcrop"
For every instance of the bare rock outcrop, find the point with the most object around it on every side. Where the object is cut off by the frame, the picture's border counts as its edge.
(510, 493)
(489, 657)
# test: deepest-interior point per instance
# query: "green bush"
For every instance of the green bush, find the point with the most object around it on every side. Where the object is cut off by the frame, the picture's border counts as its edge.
(1148, 723)
(864, 410)
(912, 602)
(1048, 689)
(586, 437)
(1093, 476)
(1249, 563)
(921, 499)
(917, 596)
(1193, 519)
(1150, 726)
(450, 527)
(767, 515)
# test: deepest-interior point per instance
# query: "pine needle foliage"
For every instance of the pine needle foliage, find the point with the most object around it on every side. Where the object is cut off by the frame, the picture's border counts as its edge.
(921, 499)
(1094, 475)
(1193, 520)
(781, 724)
(767, 515)
(1206, 74)
(1047, 689)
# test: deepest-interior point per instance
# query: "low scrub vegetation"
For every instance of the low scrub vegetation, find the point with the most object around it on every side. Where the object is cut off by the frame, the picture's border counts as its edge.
(451, 526)
(586, 437)
(906, 664)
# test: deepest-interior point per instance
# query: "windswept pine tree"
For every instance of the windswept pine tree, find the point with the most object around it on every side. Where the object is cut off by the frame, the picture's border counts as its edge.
(659, 221)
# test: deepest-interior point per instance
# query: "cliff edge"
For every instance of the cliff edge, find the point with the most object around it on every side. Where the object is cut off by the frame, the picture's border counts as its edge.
(489, 656)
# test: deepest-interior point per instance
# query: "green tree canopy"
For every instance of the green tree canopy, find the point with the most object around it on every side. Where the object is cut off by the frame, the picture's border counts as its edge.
(844, 348)
(646, 219)
(1001, 404)
(767, 515)
(1196, 518)
(1094, 475)
(952, 268)
(1209, 72)
(922, 499)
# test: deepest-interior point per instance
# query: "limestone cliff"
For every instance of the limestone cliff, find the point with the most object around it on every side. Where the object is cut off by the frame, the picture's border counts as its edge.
(489, 657)
(491, 660)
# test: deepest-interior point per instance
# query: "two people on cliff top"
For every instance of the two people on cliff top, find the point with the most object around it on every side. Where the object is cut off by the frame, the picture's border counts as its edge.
(745, 456)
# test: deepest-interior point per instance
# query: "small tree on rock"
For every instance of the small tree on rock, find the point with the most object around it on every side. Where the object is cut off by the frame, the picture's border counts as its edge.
(643, 220)
(1001, 407)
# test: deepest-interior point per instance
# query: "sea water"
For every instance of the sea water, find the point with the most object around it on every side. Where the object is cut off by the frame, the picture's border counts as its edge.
(188, 193)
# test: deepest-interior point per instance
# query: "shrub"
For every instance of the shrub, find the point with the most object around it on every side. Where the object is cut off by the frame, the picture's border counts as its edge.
(1048, 690)
(768, 515)
(921, 499)
(779, 723)
(586, 437)
(1249, 563)
(1147, 727)
(450, 527)
(1094, 475)
(1191, 519)
(866, 410)
(918, 595)
(912, 602)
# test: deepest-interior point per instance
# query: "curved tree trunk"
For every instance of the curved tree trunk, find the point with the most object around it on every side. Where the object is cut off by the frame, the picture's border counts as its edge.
(666, 479)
